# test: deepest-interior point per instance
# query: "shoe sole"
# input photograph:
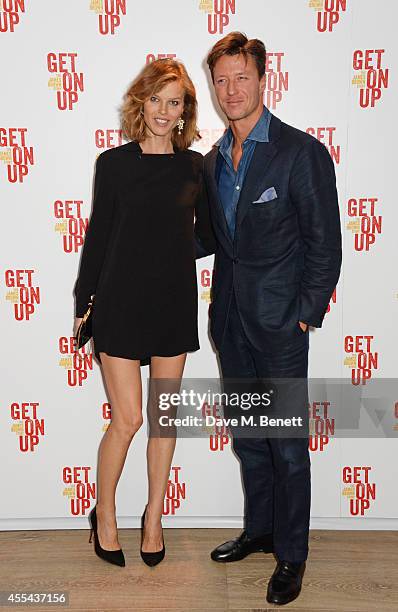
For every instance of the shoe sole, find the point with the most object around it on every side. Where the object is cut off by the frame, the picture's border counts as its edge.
(266, 552)
(276, 600)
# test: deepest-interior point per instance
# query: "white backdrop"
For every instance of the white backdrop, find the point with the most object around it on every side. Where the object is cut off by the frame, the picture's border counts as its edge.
(66, 65)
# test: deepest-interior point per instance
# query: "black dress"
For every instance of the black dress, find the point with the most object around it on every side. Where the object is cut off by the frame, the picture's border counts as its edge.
(139, 252)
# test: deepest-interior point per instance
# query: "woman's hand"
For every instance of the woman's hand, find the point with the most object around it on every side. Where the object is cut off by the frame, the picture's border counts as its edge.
(76, 325)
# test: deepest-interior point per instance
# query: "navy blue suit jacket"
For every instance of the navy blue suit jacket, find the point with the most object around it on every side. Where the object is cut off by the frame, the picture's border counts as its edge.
(284, 261)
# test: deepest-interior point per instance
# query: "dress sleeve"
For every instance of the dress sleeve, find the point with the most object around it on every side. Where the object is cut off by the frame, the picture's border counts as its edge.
(96, 239)
(205, 242)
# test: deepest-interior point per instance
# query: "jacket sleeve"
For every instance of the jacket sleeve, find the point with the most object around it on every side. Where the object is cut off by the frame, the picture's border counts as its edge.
(313, 191)
(96, 239)
(205, 242)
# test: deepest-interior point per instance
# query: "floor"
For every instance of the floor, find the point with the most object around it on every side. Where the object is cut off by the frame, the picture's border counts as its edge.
(346, 571)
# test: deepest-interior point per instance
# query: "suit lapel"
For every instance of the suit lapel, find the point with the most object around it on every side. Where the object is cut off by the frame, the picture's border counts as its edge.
(214, 169)
(255, 178)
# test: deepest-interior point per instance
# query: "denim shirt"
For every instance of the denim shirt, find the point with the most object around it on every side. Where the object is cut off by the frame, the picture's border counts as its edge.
(230, 183)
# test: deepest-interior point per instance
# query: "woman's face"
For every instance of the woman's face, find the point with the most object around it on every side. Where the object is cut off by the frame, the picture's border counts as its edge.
(163, 110)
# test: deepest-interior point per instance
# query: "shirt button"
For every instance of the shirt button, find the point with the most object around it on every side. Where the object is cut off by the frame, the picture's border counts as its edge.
(237, 187)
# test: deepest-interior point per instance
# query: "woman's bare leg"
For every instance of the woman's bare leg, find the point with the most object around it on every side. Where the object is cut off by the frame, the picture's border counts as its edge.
(159, 456)
(123, 382)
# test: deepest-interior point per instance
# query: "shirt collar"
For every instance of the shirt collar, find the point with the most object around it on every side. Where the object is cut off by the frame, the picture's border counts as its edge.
(260, 133)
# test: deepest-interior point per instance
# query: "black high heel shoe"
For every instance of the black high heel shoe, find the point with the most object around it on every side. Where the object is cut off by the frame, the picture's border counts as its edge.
(151, 558)
(116, 557)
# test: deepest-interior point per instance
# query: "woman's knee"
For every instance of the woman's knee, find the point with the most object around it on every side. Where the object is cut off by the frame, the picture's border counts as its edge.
(127, 429)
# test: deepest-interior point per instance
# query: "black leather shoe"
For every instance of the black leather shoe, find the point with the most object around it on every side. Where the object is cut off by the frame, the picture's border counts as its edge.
(151, 558)
(239, 548)
(285, 582)
(116, 557)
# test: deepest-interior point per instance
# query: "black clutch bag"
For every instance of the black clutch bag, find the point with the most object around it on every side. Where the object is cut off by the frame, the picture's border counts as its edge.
(84, 331)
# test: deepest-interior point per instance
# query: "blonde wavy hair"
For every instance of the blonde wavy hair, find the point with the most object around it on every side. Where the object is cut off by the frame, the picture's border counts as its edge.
(152, 78)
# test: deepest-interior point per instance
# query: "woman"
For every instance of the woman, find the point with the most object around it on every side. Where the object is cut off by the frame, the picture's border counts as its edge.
(139, 261)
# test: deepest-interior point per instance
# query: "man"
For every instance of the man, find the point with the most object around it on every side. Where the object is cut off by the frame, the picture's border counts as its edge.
(275, 215)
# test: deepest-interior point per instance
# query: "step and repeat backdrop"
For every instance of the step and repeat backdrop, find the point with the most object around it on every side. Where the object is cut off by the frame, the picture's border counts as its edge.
(331, 71)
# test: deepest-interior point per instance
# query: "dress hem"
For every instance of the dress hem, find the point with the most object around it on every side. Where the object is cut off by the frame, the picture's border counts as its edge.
(144, 360)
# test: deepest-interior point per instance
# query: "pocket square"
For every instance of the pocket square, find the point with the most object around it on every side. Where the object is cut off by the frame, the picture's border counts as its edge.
(267, 195)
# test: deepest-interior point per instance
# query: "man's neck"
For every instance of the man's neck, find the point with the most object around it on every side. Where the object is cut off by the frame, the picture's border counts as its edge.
(242, 127)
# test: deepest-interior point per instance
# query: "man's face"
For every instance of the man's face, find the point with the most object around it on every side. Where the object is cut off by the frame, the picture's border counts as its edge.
(238, 88)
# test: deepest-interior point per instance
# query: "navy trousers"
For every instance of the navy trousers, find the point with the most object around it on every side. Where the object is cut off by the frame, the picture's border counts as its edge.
(276, 472)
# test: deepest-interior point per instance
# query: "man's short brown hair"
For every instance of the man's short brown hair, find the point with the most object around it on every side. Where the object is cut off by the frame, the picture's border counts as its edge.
(234, 44)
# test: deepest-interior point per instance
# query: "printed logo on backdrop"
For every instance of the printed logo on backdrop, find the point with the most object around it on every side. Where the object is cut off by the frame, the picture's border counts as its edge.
(328, 13)
(365, 225)
(206, 279)
(27, 425)
(321, 424)
(371, 78)
(209, 137)
(359, 490)
(22, 294)
(70, 224)
(332, 300)
(151, 57)
(66, 81)
(109, 14)
(76, 363)
(218, 14)
(15, 153)
(10, 12)
(276, 79)
(326, 135)
(78, 489)
(219, 437)
(362, 359)
(106, 410)
(107, 139)
(175, 491)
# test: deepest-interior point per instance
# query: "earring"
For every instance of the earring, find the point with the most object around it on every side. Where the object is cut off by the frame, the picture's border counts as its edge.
(180, 125)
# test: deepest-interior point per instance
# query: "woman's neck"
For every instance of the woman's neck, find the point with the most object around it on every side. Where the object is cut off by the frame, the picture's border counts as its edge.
(155, 144)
